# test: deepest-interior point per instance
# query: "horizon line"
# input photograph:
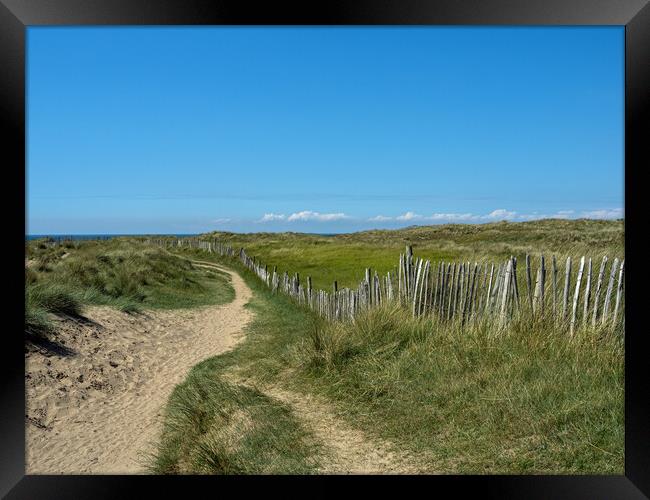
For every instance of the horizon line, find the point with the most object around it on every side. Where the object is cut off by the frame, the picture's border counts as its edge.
(332, 232)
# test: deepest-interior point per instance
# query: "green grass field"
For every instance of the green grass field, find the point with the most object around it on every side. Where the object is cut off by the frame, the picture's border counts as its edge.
(123, 273)
(344, 257)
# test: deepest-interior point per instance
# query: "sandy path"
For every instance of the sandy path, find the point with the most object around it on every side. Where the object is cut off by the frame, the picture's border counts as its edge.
(348, 450)
(99, 410)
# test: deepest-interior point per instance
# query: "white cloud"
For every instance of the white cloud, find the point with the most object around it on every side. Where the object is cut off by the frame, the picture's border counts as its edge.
(449, 217)
(560, 214)
(536, 216)
(408, 216)
(220, 221)
(309, 215)
(272, 217)
(500, 214)
(495, 215)
(612, 213)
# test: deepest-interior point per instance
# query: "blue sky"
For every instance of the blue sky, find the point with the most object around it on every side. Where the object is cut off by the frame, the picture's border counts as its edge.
(183, 130)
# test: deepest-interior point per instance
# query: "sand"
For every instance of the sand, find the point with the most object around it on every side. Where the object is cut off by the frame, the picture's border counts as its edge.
(94, 405)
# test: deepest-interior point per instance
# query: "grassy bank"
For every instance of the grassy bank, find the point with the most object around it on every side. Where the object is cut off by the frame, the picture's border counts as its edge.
(344, 257)
(530, 400)
(122, 273)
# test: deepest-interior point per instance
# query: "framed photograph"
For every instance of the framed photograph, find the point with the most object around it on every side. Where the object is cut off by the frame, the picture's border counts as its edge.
(324, 242)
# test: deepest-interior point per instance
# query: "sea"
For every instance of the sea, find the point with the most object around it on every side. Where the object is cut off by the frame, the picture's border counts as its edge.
(63, 237)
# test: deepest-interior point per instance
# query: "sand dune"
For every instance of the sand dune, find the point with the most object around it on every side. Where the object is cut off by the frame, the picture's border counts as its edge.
(94, 405)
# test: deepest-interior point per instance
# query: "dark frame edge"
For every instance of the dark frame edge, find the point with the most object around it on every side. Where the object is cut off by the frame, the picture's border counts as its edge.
(361, 12)
(635, 484)
(539, 487)
(12, 118)
(637, 120)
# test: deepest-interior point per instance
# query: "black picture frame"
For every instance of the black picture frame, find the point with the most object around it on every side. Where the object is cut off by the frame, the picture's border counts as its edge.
(17, 15)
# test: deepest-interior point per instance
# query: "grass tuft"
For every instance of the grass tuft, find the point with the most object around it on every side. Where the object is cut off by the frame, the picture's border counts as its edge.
(217, 427)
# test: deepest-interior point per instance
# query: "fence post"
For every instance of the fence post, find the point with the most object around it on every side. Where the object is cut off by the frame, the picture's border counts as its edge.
(529, 284)
(601, 275)
(567, 281)
(619, 290)
(576, 295)
(585, 312)
(506, 283)
(608, 296)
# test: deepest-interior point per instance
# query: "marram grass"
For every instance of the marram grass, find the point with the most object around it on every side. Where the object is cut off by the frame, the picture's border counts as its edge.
(123, 273)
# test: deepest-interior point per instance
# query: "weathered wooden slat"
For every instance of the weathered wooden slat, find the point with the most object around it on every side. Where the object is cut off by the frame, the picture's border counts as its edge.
(489, 290)
(599, 284)
(498, 287)
(514, 285)
(409, 258)
(504, 296)
(454, 291)
(587, 297)
(538, 298)
(433, 299)
(465, 290)
(576, 296)
(377, 289)
(461, 296)
(415, 287)
(459, 290)
(470, 301)
(466, 294)
(476, 289)
(400, 279)
(619, 292)
(567, 283)
(451, 290)
(422, 288)
(445, 291)
(538, 282)
(610, 286)
(529, 284)
(481, 291)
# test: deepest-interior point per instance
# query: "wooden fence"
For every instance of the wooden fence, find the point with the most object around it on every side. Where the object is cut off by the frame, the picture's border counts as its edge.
(459, 291)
